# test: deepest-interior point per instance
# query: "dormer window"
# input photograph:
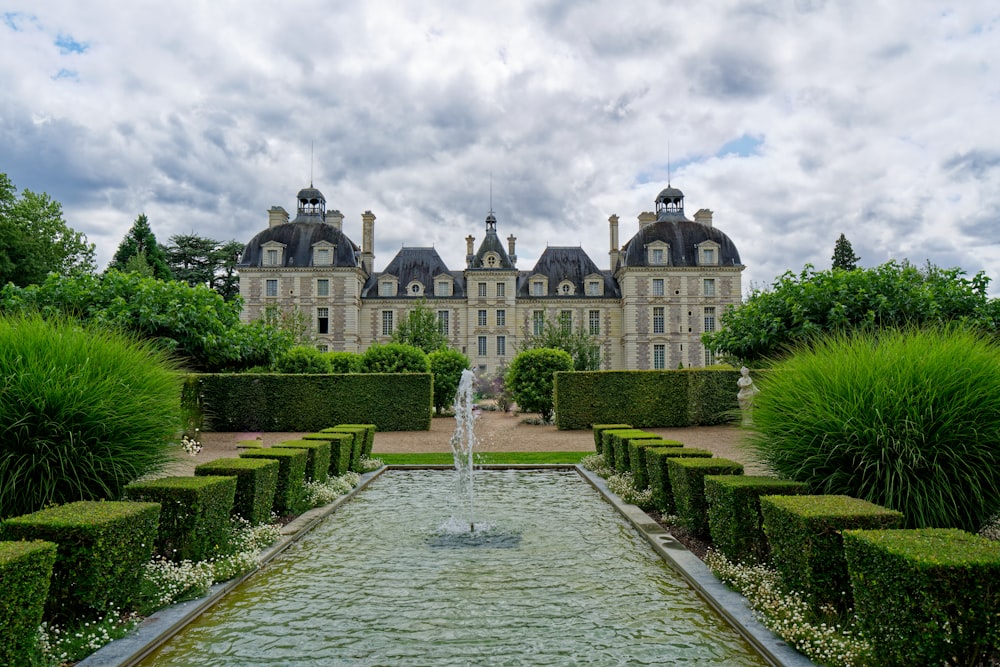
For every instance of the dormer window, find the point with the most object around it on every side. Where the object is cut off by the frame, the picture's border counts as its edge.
(491, 260)
(387, 287)
(593, 285)
(708, 253)
(566, 288)
(415, 289)
(537, 288)
(442, 288)
(657, 253)
(323, 254)
(273, 253)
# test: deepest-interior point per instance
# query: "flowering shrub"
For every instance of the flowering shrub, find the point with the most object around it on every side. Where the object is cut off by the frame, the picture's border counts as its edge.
(324, 493)
(370, 465)
(59, 645)
(191, 446)
(623, 486)
(595, 463)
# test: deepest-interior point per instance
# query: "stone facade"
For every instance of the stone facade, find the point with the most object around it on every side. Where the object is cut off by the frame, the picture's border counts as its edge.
(665, 287)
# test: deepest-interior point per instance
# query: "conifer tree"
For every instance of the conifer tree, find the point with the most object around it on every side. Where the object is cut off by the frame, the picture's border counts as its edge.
(140, 240)
(843, 255)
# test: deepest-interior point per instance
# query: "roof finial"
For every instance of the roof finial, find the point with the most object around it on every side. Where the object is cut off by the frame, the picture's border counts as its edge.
(312, 145)
(668, 163)
(491, 193)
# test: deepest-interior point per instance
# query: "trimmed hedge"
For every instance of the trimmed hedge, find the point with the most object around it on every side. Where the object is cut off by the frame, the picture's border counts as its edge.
(360, 434)
(623, 461)
(369, 442)
(687, 479)
(256, 481)
(194, 514)
(926, 596)
(612, 447)
(659, 476)
(302, 403)
(600, 428)
(637, 458)
(806, 545)
(289, 495)
(734, 518)
(317, 460)
(25, 570)
(341, 448)
(645, 399)
(103, 547)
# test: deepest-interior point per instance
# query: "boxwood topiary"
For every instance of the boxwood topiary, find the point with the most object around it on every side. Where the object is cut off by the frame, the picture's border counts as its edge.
(600, 428)
(637, 458)
(687, 480)
(318, 459)
(256, 481)
(341, 449)
(289, 496)
(659, 476)
(25, 570)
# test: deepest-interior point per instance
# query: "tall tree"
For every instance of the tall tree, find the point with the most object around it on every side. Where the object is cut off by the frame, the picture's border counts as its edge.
(192, 258)
(843, 255)
(582, 346)
(140, 240)
(35, 240)
(227, 280)
(420, 328)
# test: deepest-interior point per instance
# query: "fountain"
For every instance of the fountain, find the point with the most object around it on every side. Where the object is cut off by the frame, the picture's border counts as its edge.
(463, 444)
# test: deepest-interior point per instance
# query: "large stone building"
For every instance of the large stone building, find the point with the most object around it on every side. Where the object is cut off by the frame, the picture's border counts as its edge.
(665, 286)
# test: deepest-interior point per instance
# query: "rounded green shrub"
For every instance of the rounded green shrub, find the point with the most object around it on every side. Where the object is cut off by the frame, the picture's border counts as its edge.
(531, 378)
(343, 362)
(83, 412)
(303, 359)
(394, 358)
(906, 419)
(446, 366)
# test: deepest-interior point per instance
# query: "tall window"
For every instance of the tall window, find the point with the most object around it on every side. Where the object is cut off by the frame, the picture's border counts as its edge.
(271, 287)
(594, 318)
(593, 288)
(657, 286)
(501, 318)
(537, 322)
(537, 288)
(501, 289)
(482, 289)
(271, 259)
(443, 288)
(481, 317)
(386, 322)
(323, 320)
(710, 318)
(322, 256)
(323, 287)
(501, 346)
(387, 288)
(482, 346)
(657, 256)
(659, 356)
(708, 287)
(443, 322)
(708, 256)
(658, 320)
(709, 358)
(566, 320)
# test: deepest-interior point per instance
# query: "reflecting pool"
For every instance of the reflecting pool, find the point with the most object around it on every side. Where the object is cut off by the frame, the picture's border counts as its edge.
(552, 576)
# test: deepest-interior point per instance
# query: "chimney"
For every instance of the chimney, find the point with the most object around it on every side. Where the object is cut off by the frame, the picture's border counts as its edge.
(469, 240)
(276, 216)
(335, 218)
(646, 218)
(368, 241)
(613, 224)
(510, 249)
(704, 217)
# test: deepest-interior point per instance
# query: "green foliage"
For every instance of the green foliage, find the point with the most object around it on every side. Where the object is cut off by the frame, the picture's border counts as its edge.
(292, 322)
(799, 308)
(194, 513)
(926, 597)
(82, 413)
(530, 378)
(25, 570)
(581, 345)
(341, 449)
(734, 518)
(843, 255)
(256, 481)
(620, 441)
(361, 435)
(611, 444)
(662, 496)
(102, 548)
(304, 403)
(344, 362)
(600, 428)
(140, 240)
(804, 533)
(193, 323)
(35, 240)
(318, 459)
(367, 429)
(302, 359)
(419, 328)
(289, 494)
(646, 399)
(637, 458)
(394, 358)
(446, 367)
(909, 420)
(687, 480)
(197, 260)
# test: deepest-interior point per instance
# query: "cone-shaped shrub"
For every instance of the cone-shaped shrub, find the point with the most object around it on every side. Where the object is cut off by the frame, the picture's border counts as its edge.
(83, 412)
(905, 419)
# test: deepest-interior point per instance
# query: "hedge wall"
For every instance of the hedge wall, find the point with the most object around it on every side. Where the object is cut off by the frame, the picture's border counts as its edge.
(645, 399)
(25, 570)
(297, 403)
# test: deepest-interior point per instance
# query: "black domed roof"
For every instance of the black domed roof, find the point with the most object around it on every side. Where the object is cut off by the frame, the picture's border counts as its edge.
(669, 192)
(298, 240)
(683, 237)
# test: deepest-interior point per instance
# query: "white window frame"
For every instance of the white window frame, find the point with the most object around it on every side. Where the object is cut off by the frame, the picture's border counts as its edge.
(442, 288)
(481, 317)
(709, 315)
(481, 346)
(388, 325)
(659, 287)
(322, 287)
(501, 290)
(659, 356)
(708, 286)
(501, 317)
(659, 319)
(443, 322)
(271, 288)
(481, 290)
(537, 322)
(321, 315)
(501, 346)
(594, 319)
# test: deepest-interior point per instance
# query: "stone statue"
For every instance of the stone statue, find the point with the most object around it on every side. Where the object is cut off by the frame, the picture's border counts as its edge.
(746, 393)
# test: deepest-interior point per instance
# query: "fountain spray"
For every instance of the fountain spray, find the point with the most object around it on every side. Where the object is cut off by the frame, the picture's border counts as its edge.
(463, 442)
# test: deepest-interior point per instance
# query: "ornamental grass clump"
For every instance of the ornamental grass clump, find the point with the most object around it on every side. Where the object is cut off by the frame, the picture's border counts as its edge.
(906, 419)
(83, 412)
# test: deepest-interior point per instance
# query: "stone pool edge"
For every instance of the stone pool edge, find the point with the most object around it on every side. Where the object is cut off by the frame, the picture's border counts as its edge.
(158, 628)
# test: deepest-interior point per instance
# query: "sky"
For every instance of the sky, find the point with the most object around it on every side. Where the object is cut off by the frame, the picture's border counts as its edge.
(792, 120)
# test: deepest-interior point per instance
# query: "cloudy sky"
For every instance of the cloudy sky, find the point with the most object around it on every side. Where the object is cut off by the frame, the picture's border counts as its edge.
(793, 120)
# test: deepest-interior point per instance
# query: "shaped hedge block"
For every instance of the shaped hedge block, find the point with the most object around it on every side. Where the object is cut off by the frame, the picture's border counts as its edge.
(194, 515)
(289, 496)
(734, 519)
(615, 449)
(637, 458)
(600, 428)
(687, 479)
(103, 547)
(369, 442)
(341, 448)
(25, 570)
(318, 459)
(807, 550)
(360, 434)
(256, 481)
(928, 596)
(659, 476)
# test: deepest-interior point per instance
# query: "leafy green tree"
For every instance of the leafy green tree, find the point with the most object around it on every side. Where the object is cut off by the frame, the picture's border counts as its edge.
(302, 359)
(843, 255)
(800, 307)
(446, 366)
(227, 280)
(581, 345)
(140, 240)
(394, 358)
(420, 328)
(344, 362)
(192, 258)
(531, 379)
(35, 240)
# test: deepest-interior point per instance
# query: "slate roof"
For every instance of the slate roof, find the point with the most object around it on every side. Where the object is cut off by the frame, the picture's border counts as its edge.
(420, 264)
(682, 235)
(491, 243)
(298, 239)
(563, 263)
